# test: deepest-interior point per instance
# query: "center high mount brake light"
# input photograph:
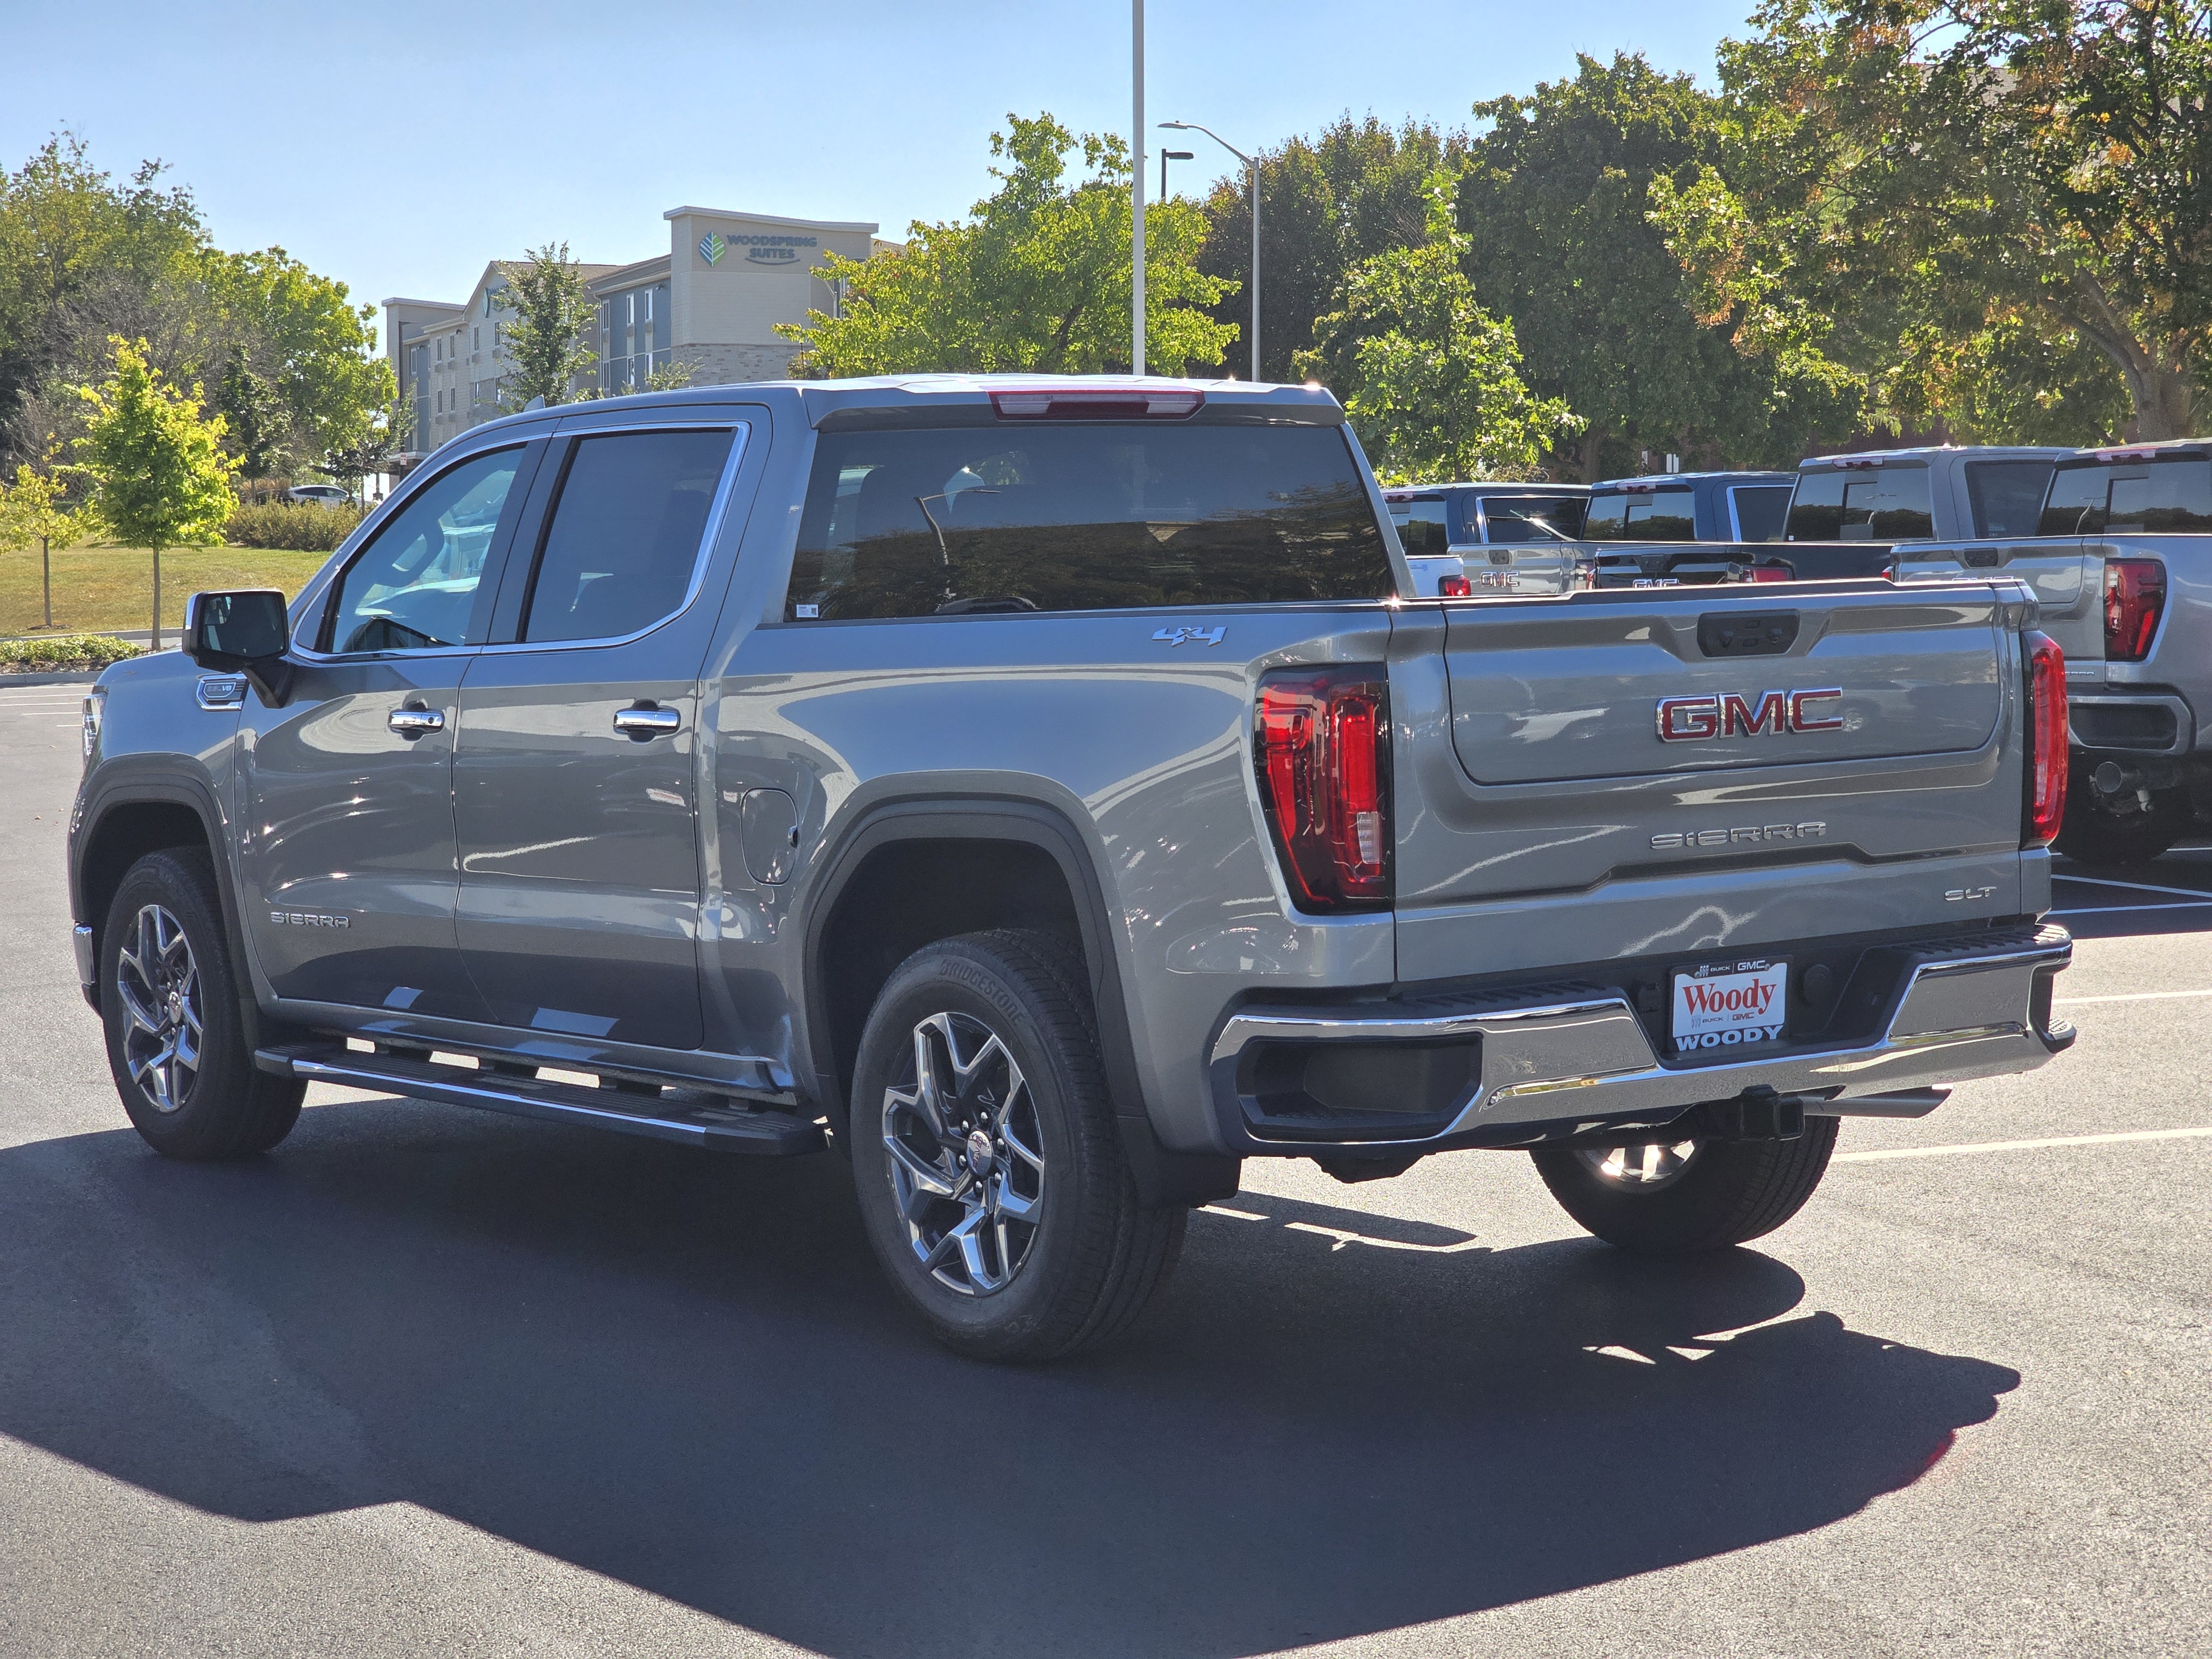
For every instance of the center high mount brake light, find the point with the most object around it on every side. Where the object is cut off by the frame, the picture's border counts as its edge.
(1322, 753)
(1084, 403)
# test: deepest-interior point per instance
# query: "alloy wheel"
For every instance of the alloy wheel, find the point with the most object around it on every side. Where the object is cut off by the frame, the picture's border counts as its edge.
(158, 983)
(1642, 1168)
(964, 1155)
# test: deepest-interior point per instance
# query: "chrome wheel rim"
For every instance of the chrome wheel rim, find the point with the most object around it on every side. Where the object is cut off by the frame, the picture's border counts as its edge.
(158, 983)
(964, 1156)
(1641, 1169)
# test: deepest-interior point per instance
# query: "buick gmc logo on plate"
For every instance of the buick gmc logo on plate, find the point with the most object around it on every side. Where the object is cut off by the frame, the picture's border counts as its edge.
(1732, 714)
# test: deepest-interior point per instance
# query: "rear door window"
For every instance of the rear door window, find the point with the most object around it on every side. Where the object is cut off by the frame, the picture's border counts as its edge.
(1760, 510)
(1653, 515)
(626, 535)
(1423, 527)
(2007, 496)
(417, 586)
(1082, 516)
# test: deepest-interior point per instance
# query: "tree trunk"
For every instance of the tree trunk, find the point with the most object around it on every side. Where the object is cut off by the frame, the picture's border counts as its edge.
(157, 600)
(1593, 448)
(2162, 395)
(46, 575)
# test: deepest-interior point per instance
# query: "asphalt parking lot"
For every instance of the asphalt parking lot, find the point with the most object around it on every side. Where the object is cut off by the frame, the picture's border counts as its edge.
(436, 1382)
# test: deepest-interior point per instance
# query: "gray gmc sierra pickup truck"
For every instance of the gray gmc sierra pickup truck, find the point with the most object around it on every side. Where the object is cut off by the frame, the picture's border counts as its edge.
(1040, 790)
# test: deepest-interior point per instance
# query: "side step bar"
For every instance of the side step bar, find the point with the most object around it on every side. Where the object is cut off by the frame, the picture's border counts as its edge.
(691, 1117)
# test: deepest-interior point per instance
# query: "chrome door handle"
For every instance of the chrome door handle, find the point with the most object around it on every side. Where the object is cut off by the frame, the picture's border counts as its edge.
(640, 724)
(412, 723)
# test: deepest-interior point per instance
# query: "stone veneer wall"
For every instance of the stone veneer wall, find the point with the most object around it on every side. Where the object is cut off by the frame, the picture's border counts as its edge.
(733, 365)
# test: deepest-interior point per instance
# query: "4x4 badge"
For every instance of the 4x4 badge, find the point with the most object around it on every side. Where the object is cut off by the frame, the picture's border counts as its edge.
(1179, 635)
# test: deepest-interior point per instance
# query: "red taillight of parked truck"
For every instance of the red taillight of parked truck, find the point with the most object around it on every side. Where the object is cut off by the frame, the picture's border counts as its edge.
(2046, 729)
(1322, 752)
(2134, 599)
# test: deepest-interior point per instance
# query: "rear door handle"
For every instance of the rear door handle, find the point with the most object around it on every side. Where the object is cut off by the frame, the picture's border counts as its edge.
(412, 723)
(641, 725)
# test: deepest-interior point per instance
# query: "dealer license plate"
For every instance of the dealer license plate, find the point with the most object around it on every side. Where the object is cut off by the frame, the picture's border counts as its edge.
(1727, 1005)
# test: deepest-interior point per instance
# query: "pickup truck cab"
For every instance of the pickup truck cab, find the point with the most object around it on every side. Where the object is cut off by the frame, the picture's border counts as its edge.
(1481, 539)
(1690, 506)
(2119, 555)
(1043, 793)
(1945, 493)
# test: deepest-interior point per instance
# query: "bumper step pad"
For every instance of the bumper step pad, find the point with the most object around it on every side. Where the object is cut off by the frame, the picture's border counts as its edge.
(691, 1117)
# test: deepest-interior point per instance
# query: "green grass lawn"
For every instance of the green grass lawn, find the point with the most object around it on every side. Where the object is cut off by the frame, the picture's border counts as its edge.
(97, 589)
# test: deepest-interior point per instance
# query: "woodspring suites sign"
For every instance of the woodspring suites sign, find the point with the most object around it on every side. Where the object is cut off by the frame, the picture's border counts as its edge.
(759, 249)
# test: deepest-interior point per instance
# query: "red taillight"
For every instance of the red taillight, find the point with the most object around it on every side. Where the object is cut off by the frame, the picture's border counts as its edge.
(1322, 753)
(2047, 728)
(1101, 404)
(1455, 588)
(2135, 599)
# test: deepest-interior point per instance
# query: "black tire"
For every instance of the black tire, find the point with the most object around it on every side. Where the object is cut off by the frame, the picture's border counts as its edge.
(1726, 1193)
(223, 1107)
(2091, 835)
(1086, 1267)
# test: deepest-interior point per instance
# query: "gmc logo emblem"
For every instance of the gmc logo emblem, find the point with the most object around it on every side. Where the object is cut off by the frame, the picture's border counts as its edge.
(1693, 720)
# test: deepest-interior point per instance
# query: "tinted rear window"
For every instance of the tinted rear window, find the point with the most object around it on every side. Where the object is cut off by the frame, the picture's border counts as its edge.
(1423, 527)
(2153, 497)
(2007, 496)
(1653, 515)
(1761, 510)
(1533, 517)
(1094, 516)
(1878, 504)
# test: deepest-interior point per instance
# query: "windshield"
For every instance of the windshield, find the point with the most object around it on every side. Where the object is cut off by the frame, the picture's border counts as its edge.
(1886, 503)
(1082, 516)
(2152, 497)
(1645, 516)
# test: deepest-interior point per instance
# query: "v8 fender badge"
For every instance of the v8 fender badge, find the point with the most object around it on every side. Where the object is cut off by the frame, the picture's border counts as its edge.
(1732, 714)
(1190, 635)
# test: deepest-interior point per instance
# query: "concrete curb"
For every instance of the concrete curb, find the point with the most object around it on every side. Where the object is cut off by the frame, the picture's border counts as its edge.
(80, 678)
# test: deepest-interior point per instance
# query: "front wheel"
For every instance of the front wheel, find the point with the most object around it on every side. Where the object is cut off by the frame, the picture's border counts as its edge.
(176, 1041)
(989, 1169)
(1695, 1195)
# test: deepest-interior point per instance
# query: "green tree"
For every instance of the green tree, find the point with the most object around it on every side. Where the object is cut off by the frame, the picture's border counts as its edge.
(1557, 202)
(1039, 279)
(1352, 191)
(159, 476)
(1430, 380)
(257, 424)
(1979, 190)
(550, 319)
(33, 509)
(303, 336)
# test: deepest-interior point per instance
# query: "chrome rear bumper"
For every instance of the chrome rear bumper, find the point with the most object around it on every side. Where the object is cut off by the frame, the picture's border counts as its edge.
(1552, 1062)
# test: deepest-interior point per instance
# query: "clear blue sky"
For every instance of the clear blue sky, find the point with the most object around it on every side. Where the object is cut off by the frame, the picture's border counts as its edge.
(399, 146)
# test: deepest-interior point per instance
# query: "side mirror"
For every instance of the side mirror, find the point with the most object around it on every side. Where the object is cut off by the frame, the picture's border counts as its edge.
(243, 632)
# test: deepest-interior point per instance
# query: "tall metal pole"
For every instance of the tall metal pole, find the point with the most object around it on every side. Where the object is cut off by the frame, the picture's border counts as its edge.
(1255, 268)
(1137, 186)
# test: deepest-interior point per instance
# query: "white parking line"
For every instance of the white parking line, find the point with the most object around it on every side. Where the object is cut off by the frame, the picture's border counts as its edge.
(2137, 996)
(2136, 886)
(2128, 910)
(2019, 1146)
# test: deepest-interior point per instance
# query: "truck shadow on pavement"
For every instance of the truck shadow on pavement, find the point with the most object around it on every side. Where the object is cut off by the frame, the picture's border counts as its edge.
(686, 1374)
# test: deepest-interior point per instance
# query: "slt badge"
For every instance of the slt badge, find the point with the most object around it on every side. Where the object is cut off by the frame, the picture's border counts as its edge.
(1182, 636)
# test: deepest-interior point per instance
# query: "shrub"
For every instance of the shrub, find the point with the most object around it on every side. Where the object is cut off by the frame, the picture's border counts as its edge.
(62, 652)
(298, 527)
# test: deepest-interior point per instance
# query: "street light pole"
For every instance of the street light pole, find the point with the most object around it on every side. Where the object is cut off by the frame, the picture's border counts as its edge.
(1252, 163)
(1137, 186)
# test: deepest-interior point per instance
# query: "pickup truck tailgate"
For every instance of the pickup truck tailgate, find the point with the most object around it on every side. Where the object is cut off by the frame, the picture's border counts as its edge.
(1708, 766)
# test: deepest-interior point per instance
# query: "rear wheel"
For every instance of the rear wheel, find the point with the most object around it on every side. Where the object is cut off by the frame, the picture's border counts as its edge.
(176, 1043)
(1701, 1193)
(2093, 835)
(988, 1166)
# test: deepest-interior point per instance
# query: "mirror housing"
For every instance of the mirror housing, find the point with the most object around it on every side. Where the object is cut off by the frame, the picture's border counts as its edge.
(246, 632)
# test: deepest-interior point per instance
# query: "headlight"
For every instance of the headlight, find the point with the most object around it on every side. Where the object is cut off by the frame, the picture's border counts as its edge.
(95, 700)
